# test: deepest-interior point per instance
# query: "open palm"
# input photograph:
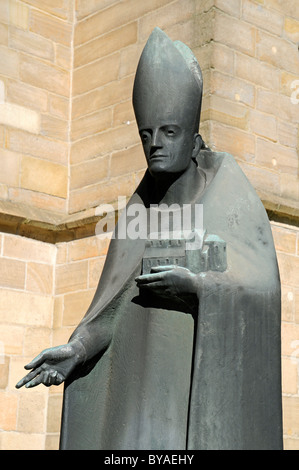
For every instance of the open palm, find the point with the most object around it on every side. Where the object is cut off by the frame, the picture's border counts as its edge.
(51, 367)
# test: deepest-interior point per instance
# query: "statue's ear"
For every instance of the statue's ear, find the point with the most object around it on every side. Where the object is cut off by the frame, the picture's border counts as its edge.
(197, 144)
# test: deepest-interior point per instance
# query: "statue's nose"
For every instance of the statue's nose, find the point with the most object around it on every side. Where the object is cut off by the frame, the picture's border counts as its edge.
(156, 139)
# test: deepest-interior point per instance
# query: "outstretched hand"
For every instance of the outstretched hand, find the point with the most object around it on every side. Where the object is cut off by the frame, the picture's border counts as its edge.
(168, 280)
(52, 366)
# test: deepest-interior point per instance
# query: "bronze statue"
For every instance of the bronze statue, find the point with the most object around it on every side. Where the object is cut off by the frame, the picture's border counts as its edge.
(180, 347)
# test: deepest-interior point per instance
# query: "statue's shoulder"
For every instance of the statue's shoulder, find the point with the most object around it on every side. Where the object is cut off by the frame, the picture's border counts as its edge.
(210, 160)
(221, 165)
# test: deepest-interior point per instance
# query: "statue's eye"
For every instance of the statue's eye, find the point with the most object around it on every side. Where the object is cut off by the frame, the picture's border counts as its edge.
(170, 132)
(144, 137)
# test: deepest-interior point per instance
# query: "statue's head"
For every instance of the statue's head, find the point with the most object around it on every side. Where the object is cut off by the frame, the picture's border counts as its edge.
(167, 102)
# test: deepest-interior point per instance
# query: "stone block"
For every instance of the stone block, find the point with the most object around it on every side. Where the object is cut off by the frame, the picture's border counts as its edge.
(96, 74)
(4, 11)
(289, 8)
(234, 33)
(232, 8)
(54, 413)
(284, 239)
(18, 14)
(291, 415)
(38, 200)
(289, 376)
(278, 105)
(180, 11)
(112, 18)
(123, 113)
(287, 134)
(58, 106)
(291, 29)
(9, 64)
(44, 75)
(263, 125)
(63, 56)
(127, 161)
(32, 412)
(31, 44)
(102, 193)
(3, 34)
(20, 308)
(3, 191)
(287, 304)
(58, 312)
(289, 273)
(289, 187)
(17, 116)
(286, 83)
(12, 273)
(11, 338)
(95, 270)
(44, 176)
(262, 179)
(22, 441)
(36, 145)
(105, 45)
(58, 8)
(54, 128)
(231, 113)
(71, 277)
(275, 156)
(8, 410)
(257, 72)
(35, 340)
(52, 441)
(290, 444)
(129, 58)
(278, 52)
(102, 97)
(84, 248)
(62, 253)
(91, 124)
(88, 173)
(297, 298)
(222, 58)
(104, 143)
(263, 17)
(4, 371)
(10, 167)
(39, 278)
(27, 96)
(75, 306)
(28, 250)
(232, 88)
(84, 8)
(238, 143)
(50, 27)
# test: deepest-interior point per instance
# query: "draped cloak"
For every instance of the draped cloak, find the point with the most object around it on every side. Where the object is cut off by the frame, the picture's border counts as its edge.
(174, 379)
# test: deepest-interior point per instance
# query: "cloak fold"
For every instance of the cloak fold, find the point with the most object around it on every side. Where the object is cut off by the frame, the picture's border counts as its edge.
(167, 379)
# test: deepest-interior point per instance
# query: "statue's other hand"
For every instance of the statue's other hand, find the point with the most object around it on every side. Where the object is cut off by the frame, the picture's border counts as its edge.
(52, 366)
(168, 280)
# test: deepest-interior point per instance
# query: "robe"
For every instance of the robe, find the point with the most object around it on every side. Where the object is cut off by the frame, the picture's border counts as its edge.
(204, 376)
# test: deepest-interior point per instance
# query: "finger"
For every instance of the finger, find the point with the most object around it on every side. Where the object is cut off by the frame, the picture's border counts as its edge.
(28, 377)
(153, 286)
(148, 278)
(41, 378)
(38, 360)
(169, 267)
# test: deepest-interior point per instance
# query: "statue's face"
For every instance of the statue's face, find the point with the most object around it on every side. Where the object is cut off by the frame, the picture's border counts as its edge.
(167, 147)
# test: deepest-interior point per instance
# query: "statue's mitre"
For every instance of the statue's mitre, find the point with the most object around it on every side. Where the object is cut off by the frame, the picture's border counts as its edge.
(168, 83)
